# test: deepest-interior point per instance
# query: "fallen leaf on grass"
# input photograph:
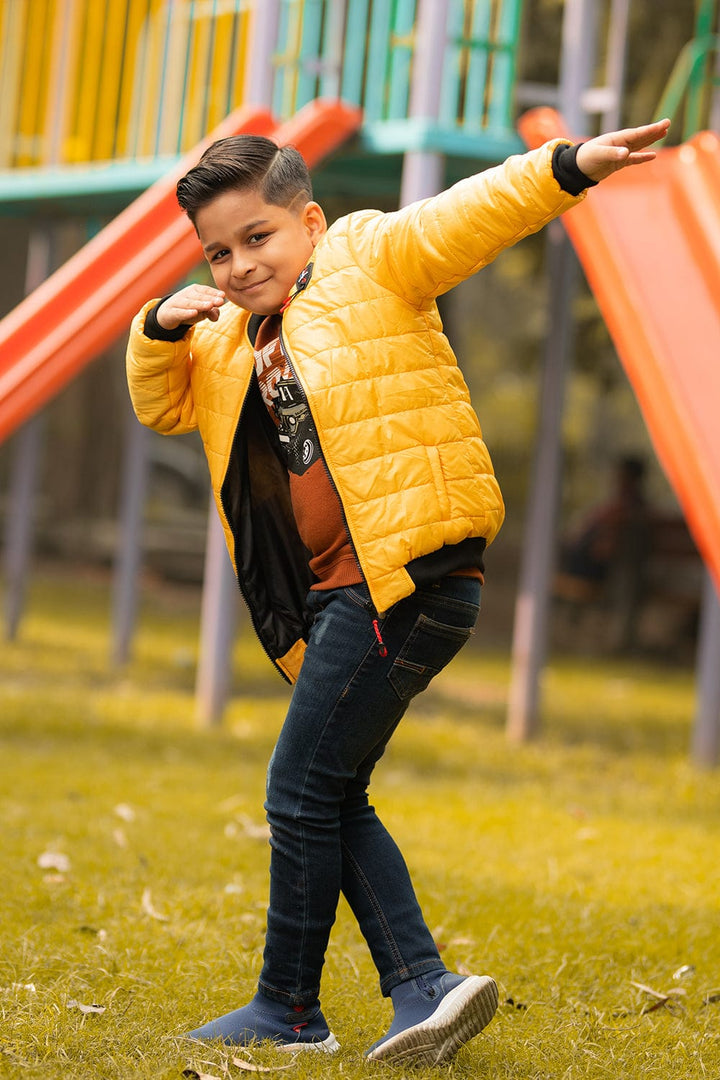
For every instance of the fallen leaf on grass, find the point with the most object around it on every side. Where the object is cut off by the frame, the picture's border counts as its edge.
(54, 860)
(712, 997)
(253, 829)
(13, 987)
(147, 906)
(667, 997)
(73, 1004)
(125, 812)
(249, 1067)
(193, 1074)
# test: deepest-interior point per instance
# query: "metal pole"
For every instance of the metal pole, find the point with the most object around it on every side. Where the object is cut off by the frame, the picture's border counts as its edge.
(261, 71)
(705, 748)
(530, 636)
(532, 609)
(219, 613)
(218, 621)
(616, 62)
(25, 466)
(128, 555)
(423, 171)
(706, 730)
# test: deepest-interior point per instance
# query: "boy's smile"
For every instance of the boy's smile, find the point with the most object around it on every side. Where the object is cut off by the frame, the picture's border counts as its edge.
(256, 249)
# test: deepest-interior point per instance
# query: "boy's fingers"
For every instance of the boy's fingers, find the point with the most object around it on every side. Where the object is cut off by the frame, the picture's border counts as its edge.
(639, 137)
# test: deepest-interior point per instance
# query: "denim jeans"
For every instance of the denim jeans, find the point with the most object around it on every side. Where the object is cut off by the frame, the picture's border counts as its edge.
(325, 835)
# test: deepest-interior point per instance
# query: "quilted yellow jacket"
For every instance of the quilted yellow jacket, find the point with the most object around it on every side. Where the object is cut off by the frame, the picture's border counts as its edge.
(402, 443)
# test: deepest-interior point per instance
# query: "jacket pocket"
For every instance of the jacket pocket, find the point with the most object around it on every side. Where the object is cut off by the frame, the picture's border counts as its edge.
(430, 646)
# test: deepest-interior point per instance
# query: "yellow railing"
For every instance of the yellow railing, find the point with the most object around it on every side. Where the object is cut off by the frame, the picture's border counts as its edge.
(92, 80)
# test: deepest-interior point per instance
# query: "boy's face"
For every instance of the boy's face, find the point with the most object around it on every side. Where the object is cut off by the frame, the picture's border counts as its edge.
(255, 249)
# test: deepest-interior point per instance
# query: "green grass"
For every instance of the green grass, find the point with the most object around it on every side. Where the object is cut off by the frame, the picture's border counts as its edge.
(569, 869)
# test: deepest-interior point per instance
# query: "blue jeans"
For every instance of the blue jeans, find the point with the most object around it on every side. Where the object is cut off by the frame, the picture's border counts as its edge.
(325, 835)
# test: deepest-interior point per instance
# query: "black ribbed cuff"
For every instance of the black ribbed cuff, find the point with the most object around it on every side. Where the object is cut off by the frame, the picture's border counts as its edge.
(566, 171)
(153, 330)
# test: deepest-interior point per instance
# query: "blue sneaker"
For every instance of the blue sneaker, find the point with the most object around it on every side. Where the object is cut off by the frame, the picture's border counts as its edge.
(265, 1020)
(435, 1015)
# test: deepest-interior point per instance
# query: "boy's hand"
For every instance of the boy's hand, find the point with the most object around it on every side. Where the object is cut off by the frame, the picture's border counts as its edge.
(190, 305)
(604, 155)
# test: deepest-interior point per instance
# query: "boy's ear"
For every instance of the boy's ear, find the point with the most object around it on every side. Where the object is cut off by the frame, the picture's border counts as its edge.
(314, 221)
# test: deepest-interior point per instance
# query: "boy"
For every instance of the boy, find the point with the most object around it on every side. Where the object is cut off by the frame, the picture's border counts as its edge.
(357, 497)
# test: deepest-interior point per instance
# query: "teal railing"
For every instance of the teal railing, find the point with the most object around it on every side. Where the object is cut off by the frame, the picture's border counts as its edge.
(364, 51)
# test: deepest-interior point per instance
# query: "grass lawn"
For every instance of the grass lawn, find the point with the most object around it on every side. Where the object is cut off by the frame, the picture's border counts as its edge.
(576, 870)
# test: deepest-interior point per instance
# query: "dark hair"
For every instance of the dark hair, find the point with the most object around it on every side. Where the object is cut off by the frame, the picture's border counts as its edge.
(244, 162)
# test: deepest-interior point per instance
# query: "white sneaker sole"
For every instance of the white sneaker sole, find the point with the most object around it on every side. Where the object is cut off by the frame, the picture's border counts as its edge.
(327, 1046)
(461, 1015)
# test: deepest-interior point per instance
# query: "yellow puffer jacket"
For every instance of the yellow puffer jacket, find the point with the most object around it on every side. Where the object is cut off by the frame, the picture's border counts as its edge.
(402, 443)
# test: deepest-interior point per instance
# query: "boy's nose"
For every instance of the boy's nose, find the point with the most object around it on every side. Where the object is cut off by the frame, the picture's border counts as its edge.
(243, 264)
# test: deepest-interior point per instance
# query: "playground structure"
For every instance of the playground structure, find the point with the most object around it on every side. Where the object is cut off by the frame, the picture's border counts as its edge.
(104, 109)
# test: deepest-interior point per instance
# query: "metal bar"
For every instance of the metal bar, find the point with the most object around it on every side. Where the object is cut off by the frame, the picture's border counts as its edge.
(502, 79)
(332, 50)
(616, 63)
(377, 62)
(218, 620)
(25, 467)
(530, 636)
(699, 74)
(355, 53)
(478, 59)
(309, 59)
(400, 59)
(530, 633)
(58, 84)
(19, 523)
(706, 729)
(220, 592)
(422, 174)
(450, 92)
(284, 81)
(264, 42)
(128, 554)
(714, 122)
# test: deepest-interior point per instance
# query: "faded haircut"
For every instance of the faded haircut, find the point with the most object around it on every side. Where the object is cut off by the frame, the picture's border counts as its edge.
(245, 163)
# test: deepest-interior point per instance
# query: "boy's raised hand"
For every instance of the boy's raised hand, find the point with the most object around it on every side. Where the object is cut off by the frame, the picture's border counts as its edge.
(189, 306)
(602, 156)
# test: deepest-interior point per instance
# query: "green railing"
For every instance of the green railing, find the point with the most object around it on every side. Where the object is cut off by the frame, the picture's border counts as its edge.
(366, 52)
(691, 84)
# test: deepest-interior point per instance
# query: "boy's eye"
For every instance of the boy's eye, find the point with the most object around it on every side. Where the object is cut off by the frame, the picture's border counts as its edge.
(257, 238)
(219, 255)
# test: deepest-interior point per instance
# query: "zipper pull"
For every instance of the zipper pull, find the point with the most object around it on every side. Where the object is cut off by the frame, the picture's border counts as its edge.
(301, 283)
(382, 647)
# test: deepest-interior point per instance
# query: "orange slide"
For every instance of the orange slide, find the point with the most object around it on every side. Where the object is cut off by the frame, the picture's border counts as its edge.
(649, 242)
(83, 307)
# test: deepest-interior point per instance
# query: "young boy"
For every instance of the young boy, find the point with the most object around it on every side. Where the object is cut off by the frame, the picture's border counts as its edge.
(357, 497)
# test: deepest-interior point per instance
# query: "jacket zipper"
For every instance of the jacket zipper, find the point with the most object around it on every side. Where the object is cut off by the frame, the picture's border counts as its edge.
(240, 585)
(373, 612)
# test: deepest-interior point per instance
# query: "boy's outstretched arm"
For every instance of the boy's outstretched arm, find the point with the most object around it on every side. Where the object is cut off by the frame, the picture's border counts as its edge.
(600, 157)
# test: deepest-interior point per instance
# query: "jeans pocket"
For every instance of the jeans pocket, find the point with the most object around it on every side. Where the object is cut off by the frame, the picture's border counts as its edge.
(430, 646)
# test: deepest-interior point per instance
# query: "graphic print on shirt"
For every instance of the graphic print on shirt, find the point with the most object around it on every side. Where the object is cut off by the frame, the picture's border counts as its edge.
(287, 404)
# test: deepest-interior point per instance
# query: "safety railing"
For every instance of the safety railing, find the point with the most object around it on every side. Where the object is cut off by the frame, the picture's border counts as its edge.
(83, 81)
(123, 80)
(364, 50)
(694, 78)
